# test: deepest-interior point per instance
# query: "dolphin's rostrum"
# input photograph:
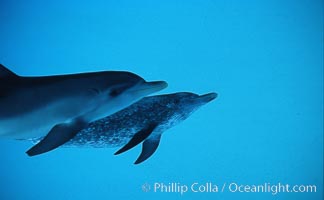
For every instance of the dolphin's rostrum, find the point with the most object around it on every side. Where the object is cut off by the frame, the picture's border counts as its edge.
(61, 106)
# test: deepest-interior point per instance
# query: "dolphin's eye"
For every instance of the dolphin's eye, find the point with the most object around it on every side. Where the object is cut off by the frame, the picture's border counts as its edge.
(176, 101)
(115, 92)
(118, 90)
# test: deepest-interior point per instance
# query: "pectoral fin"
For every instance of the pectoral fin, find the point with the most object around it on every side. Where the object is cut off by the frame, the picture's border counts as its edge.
(60, 134)
(148, 148)
(137, 138)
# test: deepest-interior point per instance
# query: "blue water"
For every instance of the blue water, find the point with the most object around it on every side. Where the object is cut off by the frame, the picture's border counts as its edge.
(263, 58)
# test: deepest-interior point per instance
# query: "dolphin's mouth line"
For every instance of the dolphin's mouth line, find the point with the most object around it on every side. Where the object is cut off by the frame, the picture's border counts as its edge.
(209, 97)
(150, 87)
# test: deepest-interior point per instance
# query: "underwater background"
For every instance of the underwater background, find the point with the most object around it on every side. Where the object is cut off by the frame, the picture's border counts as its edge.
(263, 58)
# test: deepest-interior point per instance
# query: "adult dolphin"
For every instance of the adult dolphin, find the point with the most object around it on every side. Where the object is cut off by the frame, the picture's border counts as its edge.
(62, 105)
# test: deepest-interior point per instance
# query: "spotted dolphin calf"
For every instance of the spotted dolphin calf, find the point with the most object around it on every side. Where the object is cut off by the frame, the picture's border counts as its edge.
(62, 105)
(142, 122)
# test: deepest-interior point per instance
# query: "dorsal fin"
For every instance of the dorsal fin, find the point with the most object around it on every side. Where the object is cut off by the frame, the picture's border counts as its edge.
(6, 73)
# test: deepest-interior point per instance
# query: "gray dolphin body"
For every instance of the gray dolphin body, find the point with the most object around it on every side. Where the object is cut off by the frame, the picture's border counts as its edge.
(142, 122)
(61, 106)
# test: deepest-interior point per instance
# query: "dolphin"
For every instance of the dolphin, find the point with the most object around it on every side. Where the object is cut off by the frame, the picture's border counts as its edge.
(142, 122)
(60, 106)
